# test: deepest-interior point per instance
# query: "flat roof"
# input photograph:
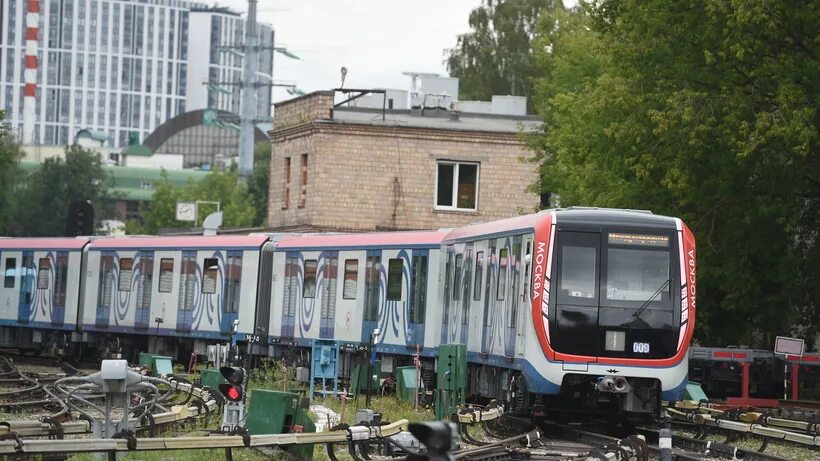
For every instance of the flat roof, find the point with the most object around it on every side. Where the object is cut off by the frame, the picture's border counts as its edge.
(442, 121)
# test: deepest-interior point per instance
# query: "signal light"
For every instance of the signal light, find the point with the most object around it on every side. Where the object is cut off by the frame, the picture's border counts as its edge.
(80, 219)
(234, 390)
(231, 392)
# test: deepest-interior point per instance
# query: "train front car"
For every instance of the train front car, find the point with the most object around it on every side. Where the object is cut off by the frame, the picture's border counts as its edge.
(613, 309)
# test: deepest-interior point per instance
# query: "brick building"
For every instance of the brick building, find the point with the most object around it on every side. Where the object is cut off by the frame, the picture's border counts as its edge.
(348, 168)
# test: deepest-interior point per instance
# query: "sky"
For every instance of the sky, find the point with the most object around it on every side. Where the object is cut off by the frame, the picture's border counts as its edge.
(376, 40)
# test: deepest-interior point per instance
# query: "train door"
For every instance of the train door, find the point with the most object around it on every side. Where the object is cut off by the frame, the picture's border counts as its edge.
(372, 284)
(577, 294)
(26, 287)
(475, 335)
(105, 289)
(187, 287)
(290, 293)
(231, 290)
(60, 287)
(448, 282)
(418, 297)
(514, 268)
(487, 325)
(329, 280)
(465, 293)
(526, 295)
(145, 280)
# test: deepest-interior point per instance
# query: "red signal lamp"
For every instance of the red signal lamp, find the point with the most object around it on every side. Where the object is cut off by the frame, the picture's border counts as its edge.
(232, 392)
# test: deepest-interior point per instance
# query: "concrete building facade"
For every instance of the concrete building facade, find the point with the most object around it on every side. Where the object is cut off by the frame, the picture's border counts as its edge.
(121, 66)
(348, 168)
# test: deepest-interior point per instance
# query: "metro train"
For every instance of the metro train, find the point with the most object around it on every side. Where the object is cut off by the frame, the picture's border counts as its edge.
(590, 306)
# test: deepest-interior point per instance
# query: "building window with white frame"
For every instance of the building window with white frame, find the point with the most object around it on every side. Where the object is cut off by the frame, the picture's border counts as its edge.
(456, 186)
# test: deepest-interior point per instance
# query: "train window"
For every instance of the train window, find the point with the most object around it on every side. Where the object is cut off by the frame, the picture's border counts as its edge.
(515, 268)
(309, 284)
(578, 271)
(637, 274)
(146, 271)
(501, 287)
(9, 273)
(60, 278)
(330, 270)
(371, 308)
(210, 269)
(351, 278)
(106, 281)
(457, 278)
(394, 279)
(166, 275)
(233, 282)
(488, 284)
(419, 289)
(448, 277)
(479, 274)
(468, 278)
(291, 284)
(126, 274)
(43, 268)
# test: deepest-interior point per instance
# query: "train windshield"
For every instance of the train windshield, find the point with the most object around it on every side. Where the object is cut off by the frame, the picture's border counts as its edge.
(638, 268)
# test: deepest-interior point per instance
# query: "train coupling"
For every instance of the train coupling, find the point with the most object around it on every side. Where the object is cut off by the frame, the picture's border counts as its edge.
(612, 384)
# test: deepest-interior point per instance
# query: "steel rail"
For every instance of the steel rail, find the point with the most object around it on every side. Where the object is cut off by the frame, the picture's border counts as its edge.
(20, 447)
(712, 449)
(812, 440)
(178, 413)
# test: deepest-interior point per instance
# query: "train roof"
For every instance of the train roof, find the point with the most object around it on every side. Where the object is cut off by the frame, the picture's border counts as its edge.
(42, 243)
(410, 239)
(606, 217)
(181, 242)
(496, 227)
(572, 215)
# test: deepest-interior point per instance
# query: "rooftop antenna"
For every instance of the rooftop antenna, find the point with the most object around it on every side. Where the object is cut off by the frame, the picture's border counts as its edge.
(344, 75)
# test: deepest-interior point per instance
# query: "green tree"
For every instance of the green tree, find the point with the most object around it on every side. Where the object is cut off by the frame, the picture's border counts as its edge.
(43, 197)
(706, 111)
(258, 182)
(9, 158)
(496, 56)
(223, 187)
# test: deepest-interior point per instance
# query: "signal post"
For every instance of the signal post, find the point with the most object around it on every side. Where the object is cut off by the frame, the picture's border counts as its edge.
(234, 393)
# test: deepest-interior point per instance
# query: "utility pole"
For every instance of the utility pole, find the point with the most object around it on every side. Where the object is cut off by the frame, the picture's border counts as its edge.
(249, 86)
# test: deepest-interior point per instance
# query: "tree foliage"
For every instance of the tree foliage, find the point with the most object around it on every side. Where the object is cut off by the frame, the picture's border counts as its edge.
(9, 156)
(42, 197)
(258, 182)
(496, 56)
(223, 187)
(705, 110)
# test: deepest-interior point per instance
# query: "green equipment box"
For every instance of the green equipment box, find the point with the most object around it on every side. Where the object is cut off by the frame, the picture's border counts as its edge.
(158, 364)
(406, 384)
(273, 412)
(451, 378)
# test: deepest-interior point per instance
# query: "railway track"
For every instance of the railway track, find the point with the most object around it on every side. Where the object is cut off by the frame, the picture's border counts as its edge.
(503, 437)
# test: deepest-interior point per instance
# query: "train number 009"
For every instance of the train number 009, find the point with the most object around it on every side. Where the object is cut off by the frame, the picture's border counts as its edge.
(640, 348)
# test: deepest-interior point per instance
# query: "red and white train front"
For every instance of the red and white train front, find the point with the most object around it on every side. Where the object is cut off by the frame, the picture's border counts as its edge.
(613, 307)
